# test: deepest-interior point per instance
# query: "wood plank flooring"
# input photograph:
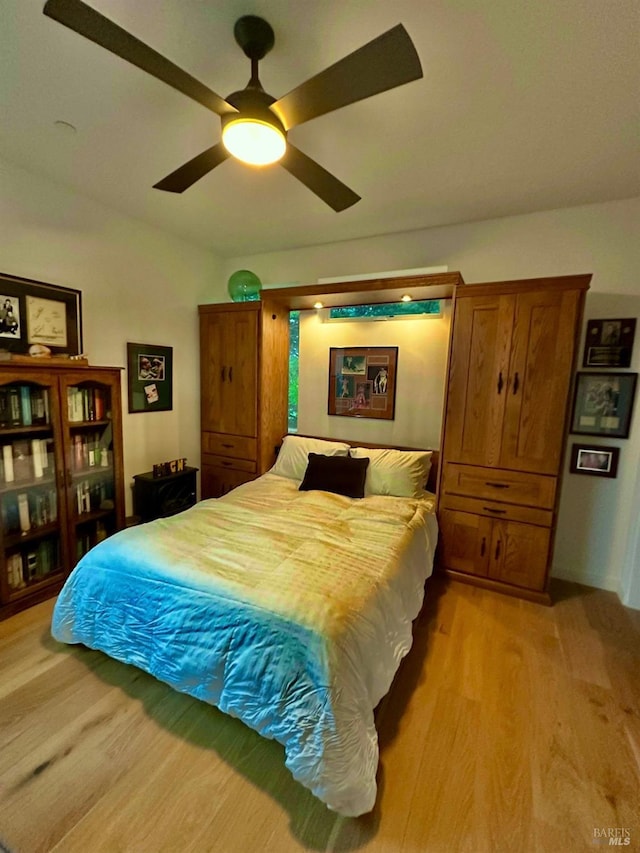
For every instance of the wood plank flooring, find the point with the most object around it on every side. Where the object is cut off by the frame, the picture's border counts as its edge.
(510, 727)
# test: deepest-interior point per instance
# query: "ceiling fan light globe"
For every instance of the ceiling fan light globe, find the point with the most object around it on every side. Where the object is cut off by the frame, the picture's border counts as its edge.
(256, 142)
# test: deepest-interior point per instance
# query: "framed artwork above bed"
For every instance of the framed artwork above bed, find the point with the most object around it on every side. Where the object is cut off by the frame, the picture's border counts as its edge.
(362, 382)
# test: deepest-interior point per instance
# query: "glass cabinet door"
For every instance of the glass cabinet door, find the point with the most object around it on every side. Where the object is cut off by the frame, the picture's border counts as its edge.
(32, 519)
(92, 503)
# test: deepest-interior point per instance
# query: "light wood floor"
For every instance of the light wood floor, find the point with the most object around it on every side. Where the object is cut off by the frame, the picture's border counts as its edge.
(510, 727)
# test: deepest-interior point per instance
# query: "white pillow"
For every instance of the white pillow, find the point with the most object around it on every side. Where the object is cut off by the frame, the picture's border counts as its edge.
(402, 473)
(293, 458)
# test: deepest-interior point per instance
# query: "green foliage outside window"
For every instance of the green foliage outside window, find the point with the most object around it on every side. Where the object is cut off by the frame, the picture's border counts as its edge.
(385, 309)
(294, 353)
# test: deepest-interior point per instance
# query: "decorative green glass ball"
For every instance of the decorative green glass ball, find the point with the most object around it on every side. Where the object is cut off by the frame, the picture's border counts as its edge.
(244, 286)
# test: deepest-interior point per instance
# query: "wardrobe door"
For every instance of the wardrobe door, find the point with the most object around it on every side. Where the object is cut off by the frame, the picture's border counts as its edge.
(465, 542)
(478, 379)
(519, 554)
(539, 380)
(229, 372)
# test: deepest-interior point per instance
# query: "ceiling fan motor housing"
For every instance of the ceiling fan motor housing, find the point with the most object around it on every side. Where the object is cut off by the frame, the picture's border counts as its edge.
(253, 104)
(254, 35)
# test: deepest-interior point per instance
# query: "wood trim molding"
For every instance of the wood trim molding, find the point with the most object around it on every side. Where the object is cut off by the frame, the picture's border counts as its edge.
(434, 286)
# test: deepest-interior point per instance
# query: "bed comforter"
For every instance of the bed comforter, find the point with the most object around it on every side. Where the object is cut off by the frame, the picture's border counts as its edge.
(290, 610)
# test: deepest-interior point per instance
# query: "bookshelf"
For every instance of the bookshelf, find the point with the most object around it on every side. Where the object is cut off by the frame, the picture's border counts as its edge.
(61, 474)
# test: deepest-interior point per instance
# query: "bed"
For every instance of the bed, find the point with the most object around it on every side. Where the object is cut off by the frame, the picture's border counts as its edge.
(286, 603)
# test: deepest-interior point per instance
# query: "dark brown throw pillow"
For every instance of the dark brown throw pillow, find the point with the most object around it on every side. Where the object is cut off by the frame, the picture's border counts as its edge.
(341, 475)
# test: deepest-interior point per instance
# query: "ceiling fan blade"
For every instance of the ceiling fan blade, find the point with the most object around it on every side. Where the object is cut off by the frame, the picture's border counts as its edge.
(384, 63)
(336, 194)
(187, 175)
(94, 26)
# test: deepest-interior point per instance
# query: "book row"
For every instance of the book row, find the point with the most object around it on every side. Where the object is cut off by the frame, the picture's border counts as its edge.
(25, 460)
(23, 405)
(89, 450)
(30, 565)
(87, 404)
(24, 511)
(94, 495)
(88, 538)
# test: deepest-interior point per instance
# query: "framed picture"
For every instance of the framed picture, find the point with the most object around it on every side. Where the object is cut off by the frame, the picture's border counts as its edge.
(603, 403)
(362, 382)
(150, 378)
(609, 343)
(32, 312)
(594, 460)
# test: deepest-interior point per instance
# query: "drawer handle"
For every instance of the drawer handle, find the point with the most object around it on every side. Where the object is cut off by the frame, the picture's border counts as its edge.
(483, 546)
(229, 446)
(497, 549)
(500, 382)
(516, 383)
(496, 511)
(222, 373)
(498, 485)
(231, 374)
(225, 462)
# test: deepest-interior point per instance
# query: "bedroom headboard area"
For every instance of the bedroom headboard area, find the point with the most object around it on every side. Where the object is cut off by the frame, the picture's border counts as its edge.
(435, 454)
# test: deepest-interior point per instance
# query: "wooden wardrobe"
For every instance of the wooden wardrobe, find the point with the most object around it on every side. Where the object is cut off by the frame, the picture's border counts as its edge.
(243, 381)
(511, 363)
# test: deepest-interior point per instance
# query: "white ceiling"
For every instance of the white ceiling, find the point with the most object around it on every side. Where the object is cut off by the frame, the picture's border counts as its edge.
(523, 106)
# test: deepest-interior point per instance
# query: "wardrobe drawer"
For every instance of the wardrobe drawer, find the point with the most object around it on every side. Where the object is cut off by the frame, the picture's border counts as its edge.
(495, 509)
(513, 487)
(247, 465)
(238, 446)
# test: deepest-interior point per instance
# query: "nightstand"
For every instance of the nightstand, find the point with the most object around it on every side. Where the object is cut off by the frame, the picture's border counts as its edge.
(159, 497)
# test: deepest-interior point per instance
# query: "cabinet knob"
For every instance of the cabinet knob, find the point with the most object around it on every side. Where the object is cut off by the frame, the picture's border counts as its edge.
(500, 382)
(516, 383)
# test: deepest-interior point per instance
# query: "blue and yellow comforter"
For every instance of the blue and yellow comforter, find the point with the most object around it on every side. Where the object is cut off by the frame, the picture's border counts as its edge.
(290, 610)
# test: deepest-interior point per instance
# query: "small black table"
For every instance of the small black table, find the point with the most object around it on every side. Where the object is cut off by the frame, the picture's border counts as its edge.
(159, 497)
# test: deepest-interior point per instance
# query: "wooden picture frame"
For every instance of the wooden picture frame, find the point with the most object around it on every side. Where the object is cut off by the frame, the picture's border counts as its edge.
(609, 343)
(149, 378)
(33, 312)
(594, 460)
(362, 382)
(603, 403)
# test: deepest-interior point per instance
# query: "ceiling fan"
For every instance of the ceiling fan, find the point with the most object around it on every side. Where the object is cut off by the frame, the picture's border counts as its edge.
(255, 124)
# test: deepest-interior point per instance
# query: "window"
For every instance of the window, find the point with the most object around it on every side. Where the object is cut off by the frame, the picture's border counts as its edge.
(294, 353)
(385, 310)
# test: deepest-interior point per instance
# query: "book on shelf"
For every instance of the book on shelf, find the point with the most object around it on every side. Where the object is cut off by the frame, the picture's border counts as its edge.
(5, 409)
(14, 406)
(23, 512)
(7, 463)
(10, 514)
(25, 405)
(22, 464)
(14, 571)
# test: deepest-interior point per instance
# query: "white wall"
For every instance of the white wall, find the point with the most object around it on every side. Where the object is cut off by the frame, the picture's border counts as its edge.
(422, 360)
(596, 541)
(138, 284)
